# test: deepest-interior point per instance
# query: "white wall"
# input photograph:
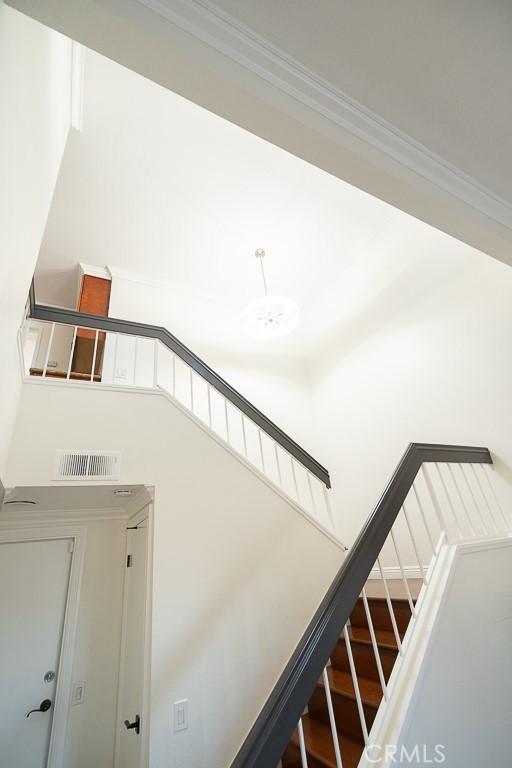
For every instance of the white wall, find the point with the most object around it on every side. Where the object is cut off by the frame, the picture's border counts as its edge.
(424, 357)
(462, 700)
(35, 77)
(231, 594)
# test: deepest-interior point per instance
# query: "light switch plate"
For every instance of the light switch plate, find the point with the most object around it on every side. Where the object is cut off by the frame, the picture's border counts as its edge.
(180, 715)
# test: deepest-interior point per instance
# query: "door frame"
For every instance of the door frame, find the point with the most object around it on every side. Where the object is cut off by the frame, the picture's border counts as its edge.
(145, 513)
(77, 534)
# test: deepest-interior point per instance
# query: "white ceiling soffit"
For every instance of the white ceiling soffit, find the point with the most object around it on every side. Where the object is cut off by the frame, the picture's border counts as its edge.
(228, 36)
(199, 51)
(89, 500)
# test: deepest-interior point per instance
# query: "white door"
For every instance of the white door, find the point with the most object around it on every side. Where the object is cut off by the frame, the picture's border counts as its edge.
(34, 578)
(131, 682)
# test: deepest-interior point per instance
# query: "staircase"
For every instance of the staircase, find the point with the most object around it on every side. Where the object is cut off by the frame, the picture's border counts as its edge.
(440, 497)
(316, 725)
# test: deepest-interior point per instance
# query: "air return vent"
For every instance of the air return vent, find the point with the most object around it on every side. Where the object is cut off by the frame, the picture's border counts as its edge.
(87, 465)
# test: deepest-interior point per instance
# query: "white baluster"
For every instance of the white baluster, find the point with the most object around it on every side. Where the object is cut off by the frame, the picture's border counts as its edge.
(486, 470)
(406, 583)
(424, 518)
(191, 388)
(313, 505)
(302, 745)
(135, 360)
(390, 609)
(73, 342)
(94, 354)
(461, 499)
(278, 465)
(433, 496)
(25, 328)
(478, 510)
(332, 720)
(375, 646)
(355, 683)
(226, 416)
(50, 341)
(484, 497)
(116, 340)
(415, 547)
(156, 346)
(262, 457)
(449, 500)
(295, 480)
(244, 436)
(327, 500)
(209, 392)
(173, 382)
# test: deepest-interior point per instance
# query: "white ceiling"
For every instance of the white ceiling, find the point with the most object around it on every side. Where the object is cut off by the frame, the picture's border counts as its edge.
(439, 71)
(157, 186)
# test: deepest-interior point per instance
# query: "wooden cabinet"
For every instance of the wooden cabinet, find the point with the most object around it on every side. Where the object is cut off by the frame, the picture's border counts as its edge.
(94, 299)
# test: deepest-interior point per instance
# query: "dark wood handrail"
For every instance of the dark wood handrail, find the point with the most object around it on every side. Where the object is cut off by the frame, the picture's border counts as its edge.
(268, 738)
(72, 317)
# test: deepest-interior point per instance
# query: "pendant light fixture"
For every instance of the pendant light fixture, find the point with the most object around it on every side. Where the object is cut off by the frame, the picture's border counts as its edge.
(270, 316)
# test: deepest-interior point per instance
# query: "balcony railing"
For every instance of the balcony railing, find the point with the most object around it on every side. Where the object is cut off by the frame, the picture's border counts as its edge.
(76, 348)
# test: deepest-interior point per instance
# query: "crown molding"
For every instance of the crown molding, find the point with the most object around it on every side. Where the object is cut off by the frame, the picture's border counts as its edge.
(161, 284)
(142, 279)
(229, 37)
(94, 271)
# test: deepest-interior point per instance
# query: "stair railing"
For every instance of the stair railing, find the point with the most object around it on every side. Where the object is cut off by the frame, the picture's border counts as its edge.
(437, 494)
(126, 355)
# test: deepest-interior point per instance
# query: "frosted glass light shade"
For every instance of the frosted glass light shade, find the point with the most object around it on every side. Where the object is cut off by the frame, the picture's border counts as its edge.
(271, 317)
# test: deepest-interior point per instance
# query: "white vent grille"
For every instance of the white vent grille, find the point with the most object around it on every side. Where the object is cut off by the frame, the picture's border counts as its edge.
(87, 465)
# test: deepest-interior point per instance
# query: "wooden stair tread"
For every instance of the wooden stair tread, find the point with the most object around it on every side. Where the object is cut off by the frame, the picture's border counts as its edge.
(341, 683)
(319, 744)
(384, 638)
(316, 724)
(383, 599)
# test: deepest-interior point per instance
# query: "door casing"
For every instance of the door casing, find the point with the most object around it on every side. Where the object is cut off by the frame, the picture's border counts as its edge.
(144, 514)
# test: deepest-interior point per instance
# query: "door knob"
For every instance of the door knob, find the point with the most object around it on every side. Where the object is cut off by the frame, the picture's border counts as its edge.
(44, 706)
(135, 726)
